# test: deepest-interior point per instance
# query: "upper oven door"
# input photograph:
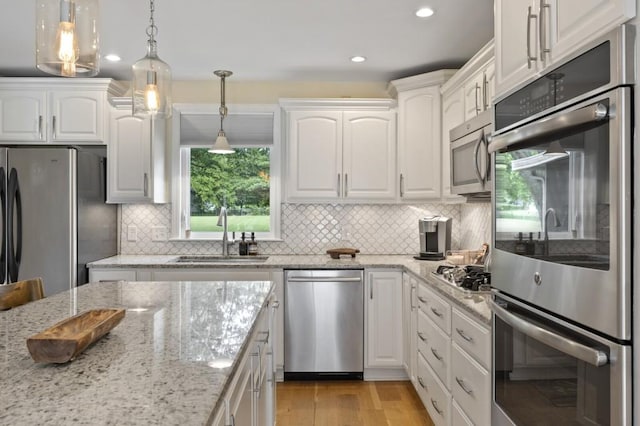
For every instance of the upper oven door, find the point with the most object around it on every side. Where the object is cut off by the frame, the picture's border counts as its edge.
(562, 213)
(470, 163)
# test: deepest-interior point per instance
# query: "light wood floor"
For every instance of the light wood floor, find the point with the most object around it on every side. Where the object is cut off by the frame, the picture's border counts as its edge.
(349, 403)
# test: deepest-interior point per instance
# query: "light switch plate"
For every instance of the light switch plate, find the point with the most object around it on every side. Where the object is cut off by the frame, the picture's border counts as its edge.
(132, 233)
(158, 233)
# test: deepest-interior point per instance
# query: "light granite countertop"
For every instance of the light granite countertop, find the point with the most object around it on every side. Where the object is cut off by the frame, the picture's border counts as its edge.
(472, 303)
(153, 368)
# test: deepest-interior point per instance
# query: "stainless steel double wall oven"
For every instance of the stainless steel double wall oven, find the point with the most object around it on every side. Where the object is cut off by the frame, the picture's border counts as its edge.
(562, 211)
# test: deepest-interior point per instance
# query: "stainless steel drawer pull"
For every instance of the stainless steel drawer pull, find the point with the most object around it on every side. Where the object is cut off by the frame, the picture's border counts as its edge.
(435, 405)
(421, 382)
(40, 127)
(421, 336)
(463, 386)
(436, 354)
(422, 299)
(463, 335)
(53, 127)
(436, 313)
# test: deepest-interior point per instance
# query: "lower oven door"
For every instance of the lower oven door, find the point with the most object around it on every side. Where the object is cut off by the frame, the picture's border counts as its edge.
(546, 371)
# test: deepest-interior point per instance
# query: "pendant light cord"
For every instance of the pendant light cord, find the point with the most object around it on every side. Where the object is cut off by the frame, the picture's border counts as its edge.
(152, 30)
(223, 108)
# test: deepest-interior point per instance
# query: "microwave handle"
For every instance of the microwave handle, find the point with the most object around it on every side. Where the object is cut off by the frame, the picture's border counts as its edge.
(556, 341)
(475, 158)
(556, 127)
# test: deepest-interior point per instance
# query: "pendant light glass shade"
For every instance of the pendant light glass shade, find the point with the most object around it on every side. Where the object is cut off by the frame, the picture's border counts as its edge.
(151, 84)
(221, 146)
(67, 39)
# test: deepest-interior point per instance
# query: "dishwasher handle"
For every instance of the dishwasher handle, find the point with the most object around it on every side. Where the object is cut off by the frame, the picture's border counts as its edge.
(323, 279)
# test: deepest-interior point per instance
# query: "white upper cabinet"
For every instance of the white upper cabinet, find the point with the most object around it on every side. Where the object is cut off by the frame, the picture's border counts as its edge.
(532, 35)
(136, 166)
(420, 158)
(36, 110)
(340, 150)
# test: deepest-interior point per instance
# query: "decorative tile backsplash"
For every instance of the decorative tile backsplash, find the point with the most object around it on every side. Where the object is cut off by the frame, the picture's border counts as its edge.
(313, 228)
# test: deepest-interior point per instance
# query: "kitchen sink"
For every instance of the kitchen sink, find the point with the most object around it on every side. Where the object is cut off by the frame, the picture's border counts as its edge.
(220, 259)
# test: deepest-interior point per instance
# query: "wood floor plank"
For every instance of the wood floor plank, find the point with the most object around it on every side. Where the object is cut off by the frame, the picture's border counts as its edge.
(349, 403)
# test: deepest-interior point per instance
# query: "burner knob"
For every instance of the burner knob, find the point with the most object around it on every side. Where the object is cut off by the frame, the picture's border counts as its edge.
(537, 278)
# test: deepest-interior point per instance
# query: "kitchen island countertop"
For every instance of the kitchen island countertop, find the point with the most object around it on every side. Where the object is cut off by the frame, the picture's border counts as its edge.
(160, 365)
(472, 303)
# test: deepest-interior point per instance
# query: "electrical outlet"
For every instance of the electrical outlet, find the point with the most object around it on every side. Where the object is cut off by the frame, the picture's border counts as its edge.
(132, 233)
(158, 233)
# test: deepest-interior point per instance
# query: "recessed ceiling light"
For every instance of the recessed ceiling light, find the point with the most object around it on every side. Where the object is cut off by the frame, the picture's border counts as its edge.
(112, 57)
(358, 59)
(425, 12)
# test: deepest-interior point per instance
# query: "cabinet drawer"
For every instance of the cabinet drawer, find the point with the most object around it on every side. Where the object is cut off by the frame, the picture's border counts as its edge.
(437, 399)
(458, 417)
(470, 386)
(436, 348)
(436, 308)
(472, 337)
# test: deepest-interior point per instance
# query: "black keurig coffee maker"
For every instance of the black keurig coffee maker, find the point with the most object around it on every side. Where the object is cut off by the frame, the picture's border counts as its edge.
(435, 237)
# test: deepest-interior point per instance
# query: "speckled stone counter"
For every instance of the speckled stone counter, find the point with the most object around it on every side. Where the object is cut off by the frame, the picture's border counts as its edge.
(155, 367)
(473, 303)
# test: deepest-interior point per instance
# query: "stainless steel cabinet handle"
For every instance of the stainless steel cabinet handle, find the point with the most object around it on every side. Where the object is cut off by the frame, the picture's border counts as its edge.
(436, 312)
(275, 304)
(530, 58)
(477, 89)
(421, 382)
(265, 339)
(464, 335)
(436, 354)
(542, 28)
(146, 185)
(548, 337)
(346, 184)
(233, 420)
(40, 127)
(435, 405)
(53, 127)
(294, 279)
(463, 386)
(485, 87)
(338, 191)
(413, 290)
(421, 336)
(401, 185)
(370, 290)
(422, 299)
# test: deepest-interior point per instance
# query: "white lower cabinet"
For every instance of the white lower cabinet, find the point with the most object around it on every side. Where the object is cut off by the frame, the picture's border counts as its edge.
(453, 362)
(112, 274)
(383, 319)
(409, 321)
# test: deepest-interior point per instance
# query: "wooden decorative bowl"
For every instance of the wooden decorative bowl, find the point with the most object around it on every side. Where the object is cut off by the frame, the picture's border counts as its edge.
(337, 252)
(65, 340)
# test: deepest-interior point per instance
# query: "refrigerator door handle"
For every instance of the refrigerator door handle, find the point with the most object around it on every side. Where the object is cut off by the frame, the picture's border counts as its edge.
(3, 240)
(15, 253)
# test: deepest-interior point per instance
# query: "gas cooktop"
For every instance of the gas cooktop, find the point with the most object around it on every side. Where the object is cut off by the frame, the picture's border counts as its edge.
(471, 277)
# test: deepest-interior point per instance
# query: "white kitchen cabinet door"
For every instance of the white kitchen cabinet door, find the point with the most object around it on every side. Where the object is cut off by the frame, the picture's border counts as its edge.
(489, 84)
(136, 167)
(22, 115)
(129, 163)
(314, 150)
(419, 143)
(452, 116)
(77, 116)
(369, 155)
(473, 95)
(574, 23)
(516, 38)
(384, 319)
(410, 331)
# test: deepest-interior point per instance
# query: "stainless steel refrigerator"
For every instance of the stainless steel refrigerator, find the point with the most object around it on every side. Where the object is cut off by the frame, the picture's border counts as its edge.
(54, 216)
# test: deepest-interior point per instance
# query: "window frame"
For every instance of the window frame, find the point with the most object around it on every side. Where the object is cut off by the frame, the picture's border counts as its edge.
(180, 176)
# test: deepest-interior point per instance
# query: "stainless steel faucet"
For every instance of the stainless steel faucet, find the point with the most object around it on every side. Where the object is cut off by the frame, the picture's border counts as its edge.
(556, 223)
(222, 221)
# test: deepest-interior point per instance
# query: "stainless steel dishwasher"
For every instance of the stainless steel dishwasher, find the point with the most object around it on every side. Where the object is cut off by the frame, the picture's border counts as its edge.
(323, 324)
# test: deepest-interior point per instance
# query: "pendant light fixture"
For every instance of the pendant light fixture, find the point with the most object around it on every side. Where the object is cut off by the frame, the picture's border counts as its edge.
(151, 85)
(221, 146)
(67, 41)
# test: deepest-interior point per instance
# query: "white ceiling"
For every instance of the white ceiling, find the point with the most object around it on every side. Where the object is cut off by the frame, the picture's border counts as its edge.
(304, 40)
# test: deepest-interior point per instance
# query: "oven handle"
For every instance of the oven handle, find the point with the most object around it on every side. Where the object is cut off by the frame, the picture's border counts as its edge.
(557, 126)
(561, 343)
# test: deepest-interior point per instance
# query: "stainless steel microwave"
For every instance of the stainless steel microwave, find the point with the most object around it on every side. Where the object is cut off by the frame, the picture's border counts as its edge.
(470, 161)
